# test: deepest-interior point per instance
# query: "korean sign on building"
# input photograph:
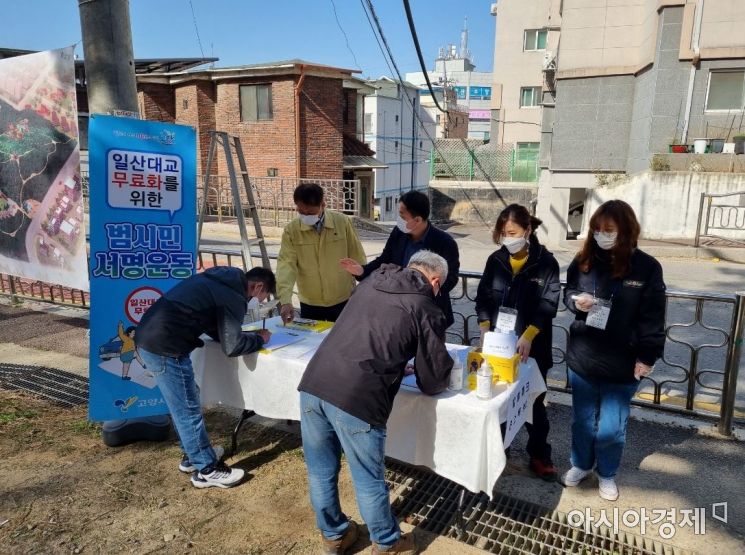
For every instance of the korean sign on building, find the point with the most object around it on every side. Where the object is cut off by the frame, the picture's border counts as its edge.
(143, 241)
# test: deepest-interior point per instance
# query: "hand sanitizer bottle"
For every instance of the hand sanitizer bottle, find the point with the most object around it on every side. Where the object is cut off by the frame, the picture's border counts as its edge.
(483, 381)
(456, 374)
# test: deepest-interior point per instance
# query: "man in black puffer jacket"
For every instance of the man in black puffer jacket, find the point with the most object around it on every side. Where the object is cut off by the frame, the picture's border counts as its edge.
(213, 302)
(347, 393)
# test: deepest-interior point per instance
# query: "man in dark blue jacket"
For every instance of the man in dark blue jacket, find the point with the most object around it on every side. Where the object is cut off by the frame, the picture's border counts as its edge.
(213, 302)
(413, 233)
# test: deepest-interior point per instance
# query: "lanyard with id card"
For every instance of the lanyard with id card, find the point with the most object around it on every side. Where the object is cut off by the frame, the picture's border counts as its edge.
(598, 315)
(506, 320)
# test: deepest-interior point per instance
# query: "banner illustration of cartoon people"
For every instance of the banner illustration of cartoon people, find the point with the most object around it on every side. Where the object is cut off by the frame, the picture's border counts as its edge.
(143, 241)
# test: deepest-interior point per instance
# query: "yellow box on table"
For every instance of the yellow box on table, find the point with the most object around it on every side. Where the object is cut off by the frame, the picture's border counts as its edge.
(503, 369)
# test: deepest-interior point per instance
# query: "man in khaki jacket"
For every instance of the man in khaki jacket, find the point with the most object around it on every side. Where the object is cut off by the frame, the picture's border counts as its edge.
(312, 246)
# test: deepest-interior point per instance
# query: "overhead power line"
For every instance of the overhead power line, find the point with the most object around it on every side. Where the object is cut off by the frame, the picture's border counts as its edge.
(372, 16)
(410, 18)
(196, 28)
(343, 32)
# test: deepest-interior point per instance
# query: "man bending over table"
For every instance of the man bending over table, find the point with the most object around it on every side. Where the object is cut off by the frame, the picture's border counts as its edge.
(213, 302)
(347, 392)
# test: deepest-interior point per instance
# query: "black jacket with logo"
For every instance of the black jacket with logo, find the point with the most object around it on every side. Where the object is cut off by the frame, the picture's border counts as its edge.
(213, 302)
(636, 325)
(390, 318)
(534, 292)
(437, 241)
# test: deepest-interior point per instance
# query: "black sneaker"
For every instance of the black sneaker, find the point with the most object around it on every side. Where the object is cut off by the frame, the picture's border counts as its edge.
(220, 476)
(186, 466)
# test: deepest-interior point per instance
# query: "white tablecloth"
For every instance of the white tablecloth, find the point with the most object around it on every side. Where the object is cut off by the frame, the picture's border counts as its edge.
(456, 435)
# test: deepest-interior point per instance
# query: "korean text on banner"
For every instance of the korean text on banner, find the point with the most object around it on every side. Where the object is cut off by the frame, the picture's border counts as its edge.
(143, 241)
(42, 228)
(517, 408)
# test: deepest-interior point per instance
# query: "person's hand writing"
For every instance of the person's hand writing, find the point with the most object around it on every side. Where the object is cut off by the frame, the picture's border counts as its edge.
(265, 335)
(642, 370)
(352, 266)
(287, 313)
(523, 349)
(584, 302)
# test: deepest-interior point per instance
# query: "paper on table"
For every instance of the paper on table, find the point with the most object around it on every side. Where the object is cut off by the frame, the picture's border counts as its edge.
(281, 339)
(410, 381)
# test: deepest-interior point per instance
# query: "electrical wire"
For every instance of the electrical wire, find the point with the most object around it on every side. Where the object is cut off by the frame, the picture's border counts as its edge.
(196, 29)
(343, 32)
(367, 4)
(410, 18)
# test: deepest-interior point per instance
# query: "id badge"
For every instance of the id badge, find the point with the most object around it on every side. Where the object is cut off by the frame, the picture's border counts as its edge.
(598, 315)
(506, 320)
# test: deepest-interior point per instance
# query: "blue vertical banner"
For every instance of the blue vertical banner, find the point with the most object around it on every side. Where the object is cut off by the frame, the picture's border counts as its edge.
(142, 243)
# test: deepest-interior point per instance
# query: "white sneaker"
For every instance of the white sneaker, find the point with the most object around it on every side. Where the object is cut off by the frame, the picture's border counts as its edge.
(186, 466)
(574, 476)
(607, 489)
(221, 476)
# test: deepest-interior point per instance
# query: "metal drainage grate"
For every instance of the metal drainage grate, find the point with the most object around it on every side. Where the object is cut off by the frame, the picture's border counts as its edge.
(504, 525)
(58, 386)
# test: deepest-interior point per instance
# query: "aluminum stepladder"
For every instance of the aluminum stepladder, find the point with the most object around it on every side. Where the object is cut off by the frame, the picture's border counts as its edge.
(231, 146)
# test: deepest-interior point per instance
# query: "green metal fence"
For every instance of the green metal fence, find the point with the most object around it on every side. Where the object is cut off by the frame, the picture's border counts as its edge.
(468, 160)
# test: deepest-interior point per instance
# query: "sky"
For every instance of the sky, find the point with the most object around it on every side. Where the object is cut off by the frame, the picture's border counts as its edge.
(253, 31)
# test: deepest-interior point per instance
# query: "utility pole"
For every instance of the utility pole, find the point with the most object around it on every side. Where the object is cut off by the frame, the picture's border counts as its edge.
(112, 89)
(109, 58)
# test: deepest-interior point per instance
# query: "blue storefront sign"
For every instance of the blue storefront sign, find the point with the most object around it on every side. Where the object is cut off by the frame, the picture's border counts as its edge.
(142, 243)
(460, 92)
(479, 93)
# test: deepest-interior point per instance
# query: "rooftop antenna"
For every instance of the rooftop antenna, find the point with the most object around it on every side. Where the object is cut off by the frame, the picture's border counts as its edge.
(464, 53)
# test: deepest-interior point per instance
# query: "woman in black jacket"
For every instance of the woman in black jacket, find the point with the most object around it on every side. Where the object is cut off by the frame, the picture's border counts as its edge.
(520, 284)
(618, 296)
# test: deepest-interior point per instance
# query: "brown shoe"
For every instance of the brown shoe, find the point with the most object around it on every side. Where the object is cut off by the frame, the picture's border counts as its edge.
(340, 545)
(406, 545)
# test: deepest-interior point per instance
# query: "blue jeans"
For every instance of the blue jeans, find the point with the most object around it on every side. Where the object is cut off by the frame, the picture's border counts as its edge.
(327, 431)
(600, 412)
(175, 378)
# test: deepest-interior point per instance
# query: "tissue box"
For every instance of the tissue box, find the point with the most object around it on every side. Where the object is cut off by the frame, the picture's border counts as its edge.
(503, 369)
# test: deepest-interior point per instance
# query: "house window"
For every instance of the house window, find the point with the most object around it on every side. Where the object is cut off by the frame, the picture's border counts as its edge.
(535, 39)
(528, 146)
(345, 107)
(396, 118)
(367, 124)
(396, 143)
(530, 96)
(726, 90)
(256, 102)
(388, 204)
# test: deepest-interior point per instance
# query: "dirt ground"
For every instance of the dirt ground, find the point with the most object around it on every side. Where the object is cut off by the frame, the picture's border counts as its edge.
(64, 491)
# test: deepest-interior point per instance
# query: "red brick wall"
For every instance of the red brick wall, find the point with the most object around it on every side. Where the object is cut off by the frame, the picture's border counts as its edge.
(195, 106)
(266, 144)
(321, 128)
(350, 127)
(156, 102)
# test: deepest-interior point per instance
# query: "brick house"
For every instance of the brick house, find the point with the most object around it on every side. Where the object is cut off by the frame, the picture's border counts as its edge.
(294, 118)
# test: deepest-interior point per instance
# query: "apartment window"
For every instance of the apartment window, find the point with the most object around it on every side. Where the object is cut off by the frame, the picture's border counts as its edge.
(535, 39)
(388, 204)
(367, 124)
(528, 146)
(726, 90)
(256, 102)
(530, 96)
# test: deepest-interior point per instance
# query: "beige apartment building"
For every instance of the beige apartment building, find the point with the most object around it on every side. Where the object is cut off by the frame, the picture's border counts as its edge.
(621, 80)
(526, 40)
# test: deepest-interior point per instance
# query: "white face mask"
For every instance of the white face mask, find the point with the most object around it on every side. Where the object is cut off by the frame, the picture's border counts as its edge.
(514, 244)
(309, 219)
(605, 240)
(401, 224)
